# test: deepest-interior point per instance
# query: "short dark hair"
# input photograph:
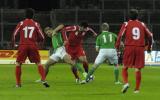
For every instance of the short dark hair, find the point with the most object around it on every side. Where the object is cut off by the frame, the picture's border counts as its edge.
(29, 13)
(84, 24)
(105, 27)
(133, 14)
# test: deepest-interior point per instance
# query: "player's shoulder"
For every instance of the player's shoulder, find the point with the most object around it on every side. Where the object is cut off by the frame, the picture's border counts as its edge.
(21, 22)
(35, 22)
(99, 35)
(142, 23)
(111, 32)
(114, 34)
(75, 27)
(125, 23)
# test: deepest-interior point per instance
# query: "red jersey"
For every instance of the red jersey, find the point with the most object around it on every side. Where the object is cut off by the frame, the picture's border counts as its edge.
(75, 37)
(30, 32)
(135, 33)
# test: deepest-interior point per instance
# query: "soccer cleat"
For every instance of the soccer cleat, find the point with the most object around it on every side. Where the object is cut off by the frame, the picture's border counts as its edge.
(118, 82)
(78, 80)
(38, 81)
(91, 78)
(83, 82)
(136, 91)
(125, 88)
(45, 84)
(18, 86)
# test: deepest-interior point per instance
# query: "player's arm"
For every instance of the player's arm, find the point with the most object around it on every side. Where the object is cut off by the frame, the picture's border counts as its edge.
(120, 34)
(57, 29)
(65, 30)
(149, 39)
(16, 31)
(90, 29)
(40, 33)
(97, 44)
(53, 31)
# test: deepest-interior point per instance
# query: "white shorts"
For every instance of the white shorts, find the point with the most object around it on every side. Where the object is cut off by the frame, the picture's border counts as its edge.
(58, 54)
(110, 54)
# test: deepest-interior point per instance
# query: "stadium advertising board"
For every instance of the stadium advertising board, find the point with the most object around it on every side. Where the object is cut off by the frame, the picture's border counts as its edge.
(9, 56)
(152, 58)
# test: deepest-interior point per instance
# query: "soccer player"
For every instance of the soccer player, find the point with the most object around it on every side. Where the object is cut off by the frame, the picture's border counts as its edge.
(105, 45)
(135, 34)
(60, 52)
(30, 33)
(73, 42)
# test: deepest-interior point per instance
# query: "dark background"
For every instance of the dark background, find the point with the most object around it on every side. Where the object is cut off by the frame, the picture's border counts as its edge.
(41, 5)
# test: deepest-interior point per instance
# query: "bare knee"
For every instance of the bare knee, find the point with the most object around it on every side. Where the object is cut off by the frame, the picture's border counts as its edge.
(18, 64)
(137, 69)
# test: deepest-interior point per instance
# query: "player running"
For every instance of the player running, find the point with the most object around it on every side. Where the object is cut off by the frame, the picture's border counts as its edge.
(30, 33)
(73, 42)
(60, 52)
(105, 45)
(136, 35)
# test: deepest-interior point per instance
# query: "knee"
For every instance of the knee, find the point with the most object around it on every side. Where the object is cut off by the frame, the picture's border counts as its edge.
(137, 69)
(125, 68)
(95, 66)
(18, 64)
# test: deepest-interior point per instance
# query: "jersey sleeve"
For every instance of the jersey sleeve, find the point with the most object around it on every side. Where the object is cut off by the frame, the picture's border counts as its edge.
(149, 37)
(39, 31)
(98, 42)
(16, 31)
(115, 36)
(120, 34)
(93, 32)
(68, 29)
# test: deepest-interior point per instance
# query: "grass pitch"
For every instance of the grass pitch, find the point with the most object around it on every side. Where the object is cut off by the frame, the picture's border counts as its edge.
(63, 86)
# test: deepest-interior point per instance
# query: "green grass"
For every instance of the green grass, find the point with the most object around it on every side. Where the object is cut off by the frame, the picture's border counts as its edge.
(63, 86)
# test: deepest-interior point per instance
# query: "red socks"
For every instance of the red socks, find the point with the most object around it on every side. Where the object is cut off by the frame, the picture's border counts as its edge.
(41, 72)
(75, 72)
(85, 66)
(138, 80)
(125, 75)
(18, 75)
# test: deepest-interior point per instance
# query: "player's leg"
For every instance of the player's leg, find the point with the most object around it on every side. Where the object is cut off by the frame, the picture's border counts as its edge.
(48, 64)
(33, 56)
(42, 74)
(125, 79)
(21, 57)
(71, 52)
(138, 79)
(116, 74)
(83, 59)
(99, 59)
(125, 75)
(82, 56)
(128, 61)
(18, 73)
(139, 64)
(113, 59)
(74, 66)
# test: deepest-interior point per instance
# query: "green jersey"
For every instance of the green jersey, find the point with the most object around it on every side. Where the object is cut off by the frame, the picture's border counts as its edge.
(106, 40)
(57, 41)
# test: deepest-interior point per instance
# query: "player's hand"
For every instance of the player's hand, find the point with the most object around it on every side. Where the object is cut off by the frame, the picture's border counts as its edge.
(15, 46)
(95, 34)
(149, 50)
(65, 42)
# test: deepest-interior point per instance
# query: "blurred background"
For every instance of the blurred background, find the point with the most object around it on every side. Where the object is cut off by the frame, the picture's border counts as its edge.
(71, 12)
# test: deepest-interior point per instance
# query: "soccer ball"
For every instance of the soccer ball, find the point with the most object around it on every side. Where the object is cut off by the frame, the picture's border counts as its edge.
(91, 78)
